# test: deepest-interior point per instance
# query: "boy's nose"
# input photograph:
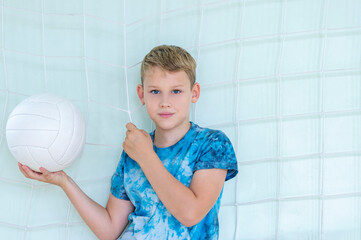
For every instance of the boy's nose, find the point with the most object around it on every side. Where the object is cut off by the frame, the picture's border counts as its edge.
(165, 102)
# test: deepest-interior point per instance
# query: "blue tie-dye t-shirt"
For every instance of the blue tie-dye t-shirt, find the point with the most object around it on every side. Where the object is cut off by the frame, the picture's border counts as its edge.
(200, 148)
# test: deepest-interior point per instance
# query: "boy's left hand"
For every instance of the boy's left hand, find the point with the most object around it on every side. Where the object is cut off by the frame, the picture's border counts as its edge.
(138, 143)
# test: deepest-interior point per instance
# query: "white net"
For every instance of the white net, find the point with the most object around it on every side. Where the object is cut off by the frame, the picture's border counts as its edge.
(281, 78)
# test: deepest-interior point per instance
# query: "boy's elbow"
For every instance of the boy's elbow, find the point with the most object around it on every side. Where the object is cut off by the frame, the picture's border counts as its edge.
(109, 234)
(108, 237)
(191, 218)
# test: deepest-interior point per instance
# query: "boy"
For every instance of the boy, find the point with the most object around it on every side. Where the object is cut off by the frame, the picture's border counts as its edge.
(167, 183)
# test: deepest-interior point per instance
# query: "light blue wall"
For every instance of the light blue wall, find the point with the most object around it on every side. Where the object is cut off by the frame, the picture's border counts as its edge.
(280, 77)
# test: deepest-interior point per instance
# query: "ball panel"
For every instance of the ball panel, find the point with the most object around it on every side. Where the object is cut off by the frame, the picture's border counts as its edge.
(36, 138)
(66, 131)
(77, 140)
(44, 159)
(80, 147)
(43, 109)
(31, 122)
(22, 155)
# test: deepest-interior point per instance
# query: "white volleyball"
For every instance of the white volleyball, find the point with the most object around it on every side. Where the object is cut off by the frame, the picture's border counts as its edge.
(46, 131)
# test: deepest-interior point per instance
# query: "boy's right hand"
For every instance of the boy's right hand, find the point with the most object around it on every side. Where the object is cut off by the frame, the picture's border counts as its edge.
(57, 178)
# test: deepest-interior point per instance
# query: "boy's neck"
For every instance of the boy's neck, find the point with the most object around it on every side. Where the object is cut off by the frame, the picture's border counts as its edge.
(167, 138)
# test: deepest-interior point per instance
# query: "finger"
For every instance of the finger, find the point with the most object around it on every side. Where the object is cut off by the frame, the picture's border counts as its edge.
(125, 147)
(22, 170)
(129, 136)
(20, 165)
(44, 171)
(32, 174)
(144, 132)
(130, 126)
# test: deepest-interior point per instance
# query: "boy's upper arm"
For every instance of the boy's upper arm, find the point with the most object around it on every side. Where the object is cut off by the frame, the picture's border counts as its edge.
(207, 185)
(119, 211)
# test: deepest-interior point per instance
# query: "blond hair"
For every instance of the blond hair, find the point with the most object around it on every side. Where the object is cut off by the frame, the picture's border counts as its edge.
(170, 58)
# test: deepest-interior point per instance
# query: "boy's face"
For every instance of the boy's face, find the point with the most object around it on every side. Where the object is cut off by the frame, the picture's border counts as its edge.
(168, 97)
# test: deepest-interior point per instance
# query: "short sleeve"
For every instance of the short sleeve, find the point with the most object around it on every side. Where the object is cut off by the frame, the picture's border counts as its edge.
(117, 181)
(218, 152)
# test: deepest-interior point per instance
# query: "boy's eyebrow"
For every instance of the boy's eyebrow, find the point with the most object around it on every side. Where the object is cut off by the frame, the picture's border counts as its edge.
(175, 86)
(178, 86)
(152, 86)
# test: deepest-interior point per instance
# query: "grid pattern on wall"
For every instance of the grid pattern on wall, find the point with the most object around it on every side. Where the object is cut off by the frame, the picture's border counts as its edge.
(282, 78)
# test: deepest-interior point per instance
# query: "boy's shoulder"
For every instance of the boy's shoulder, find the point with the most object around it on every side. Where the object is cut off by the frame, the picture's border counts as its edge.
(208, 133)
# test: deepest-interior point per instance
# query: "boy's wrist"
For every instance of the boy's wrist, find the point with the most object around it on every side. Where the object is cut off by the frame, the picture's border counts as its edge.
(66, 183)
(148, 159)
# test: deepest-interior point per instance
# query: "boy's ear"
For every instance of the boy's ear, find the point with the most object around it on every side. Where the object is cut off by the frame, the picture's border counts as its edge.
(140, 92)
(196, 91)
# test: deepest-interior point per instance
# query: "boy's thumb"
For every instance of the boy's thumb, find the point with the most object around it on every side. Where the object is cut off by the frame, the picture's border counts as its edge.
(130, 126)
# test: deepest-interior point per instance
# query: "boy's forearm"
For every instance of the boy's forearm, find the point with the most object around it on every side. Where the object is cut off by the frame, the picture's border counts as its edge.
(180, 201)
(94, 215)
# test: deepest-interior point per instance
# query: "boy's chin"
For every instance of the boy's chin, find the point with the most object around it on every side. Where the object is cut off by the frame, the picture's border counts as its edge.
(165, 125)
(170, 124)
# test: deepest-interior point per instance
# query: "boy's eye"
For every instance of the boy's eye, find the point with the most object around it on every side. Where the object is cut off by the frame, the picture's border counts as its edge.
(176, 91)
(154, 91)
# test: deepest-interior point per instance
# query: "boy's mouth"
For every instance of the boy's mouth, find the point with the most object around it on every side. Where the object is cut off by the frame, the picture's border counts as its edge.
(166, 114)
